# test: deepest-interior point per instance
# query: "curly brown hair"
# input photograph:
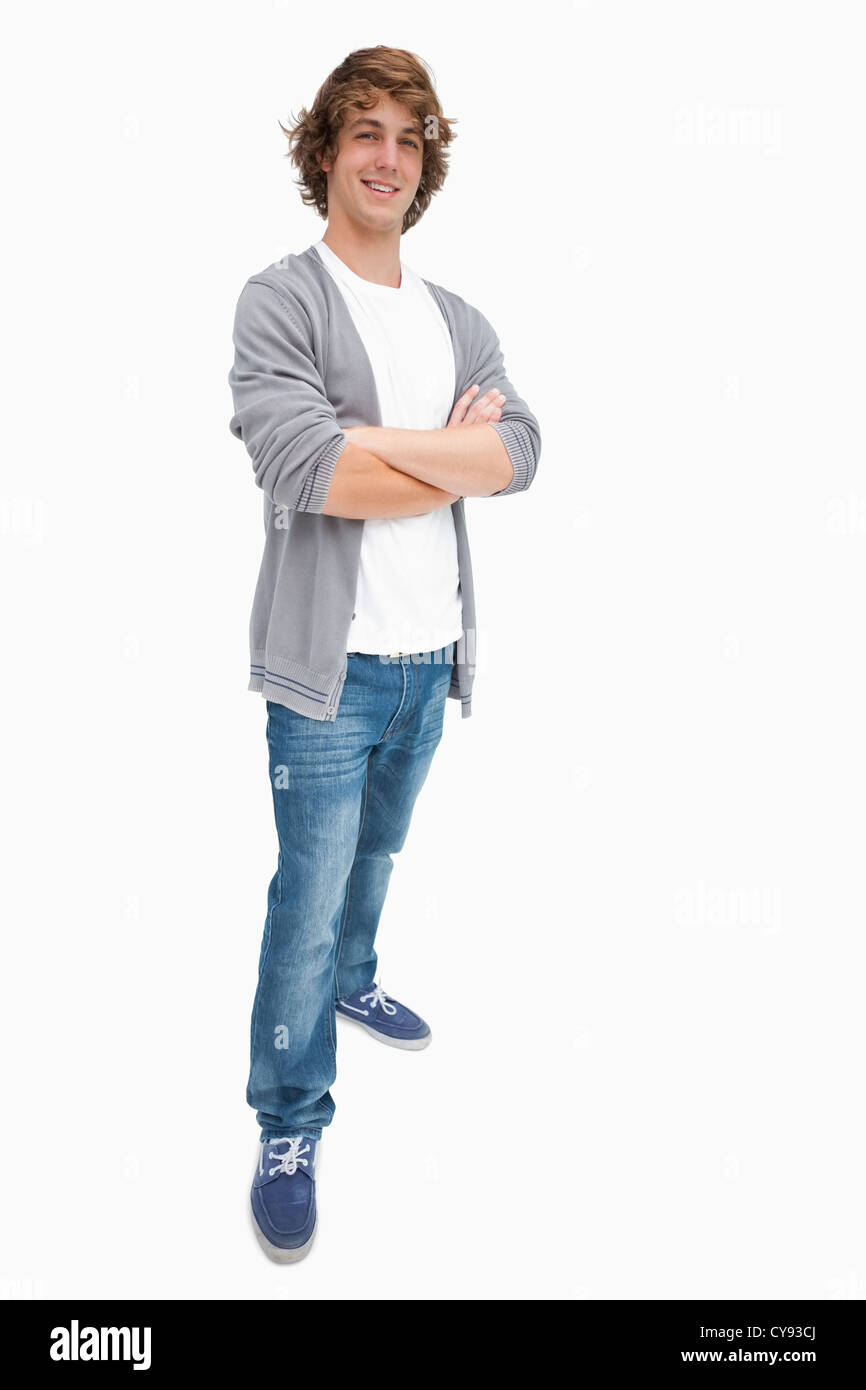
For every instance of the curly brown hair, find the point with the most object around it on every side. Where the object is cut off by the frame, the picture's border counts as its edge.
(360, 81)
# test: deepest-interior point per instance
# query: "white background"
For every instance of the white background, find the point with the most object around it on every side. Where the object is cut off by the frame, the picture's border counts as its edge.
(631, 904)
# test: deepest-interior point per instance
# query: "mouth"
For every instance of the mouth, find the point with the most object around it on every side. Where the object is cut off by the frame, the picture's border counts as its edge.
(381, 190)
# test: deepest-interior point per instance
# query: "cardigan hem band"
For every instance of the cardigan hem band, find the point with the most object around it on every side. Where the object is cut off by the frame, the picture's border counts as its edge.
(308, 692)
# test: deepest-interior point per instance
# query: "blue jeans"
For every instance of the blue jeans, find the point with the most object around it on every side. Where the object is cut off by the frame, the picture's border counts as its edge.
(343, 794)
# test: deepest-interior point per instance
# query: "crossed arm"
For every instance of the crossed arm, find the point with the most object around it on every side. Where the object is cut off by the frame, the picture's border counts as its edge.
(394, 472)
(304, 461)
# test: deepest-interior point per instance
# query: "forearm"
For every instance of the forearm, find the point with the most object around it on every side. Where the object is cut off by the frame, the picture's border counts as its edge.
(469, 462)
(365, 487)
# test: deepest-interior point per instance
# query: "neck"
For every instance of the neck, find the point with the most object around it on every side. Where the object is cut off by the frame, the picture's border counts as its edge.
(375, 258)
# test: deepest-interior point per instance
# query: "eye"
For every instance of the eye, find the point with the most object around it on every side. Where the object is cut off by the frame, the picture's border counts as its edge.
(371, 135)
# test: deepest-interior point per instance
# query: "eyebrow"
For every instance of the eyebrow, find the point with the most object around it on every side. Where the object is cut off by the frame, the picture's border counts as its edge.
(380, 125)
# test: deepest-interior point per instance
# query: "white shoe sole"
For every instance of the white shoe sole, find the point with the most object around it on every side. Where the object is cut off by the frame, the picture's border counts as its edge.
(276, 1252)
(405, 1044)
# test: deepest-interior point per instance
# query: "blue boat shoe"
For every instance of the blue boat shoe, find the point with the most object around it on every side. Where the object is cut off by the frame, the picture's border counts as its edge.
(385, 1019)
(283, 1198)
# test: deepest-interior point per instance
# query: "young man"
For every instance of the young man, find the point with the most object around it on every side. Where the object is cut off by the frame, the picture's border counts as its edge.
(371, 402)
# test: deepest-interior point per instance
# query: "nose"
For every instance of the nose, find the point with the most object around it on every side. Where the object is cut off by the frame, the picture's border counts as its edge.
(387, 154)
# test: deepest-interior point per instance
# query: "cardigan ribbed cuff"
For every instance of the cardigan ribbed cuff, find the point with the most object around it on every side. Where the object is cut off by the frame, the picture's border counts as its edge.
(518, 441)
(317, 483)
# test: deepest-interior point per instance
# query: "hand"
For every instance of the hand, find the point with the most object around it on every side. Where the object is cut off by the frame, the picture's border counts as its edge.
(469, 411)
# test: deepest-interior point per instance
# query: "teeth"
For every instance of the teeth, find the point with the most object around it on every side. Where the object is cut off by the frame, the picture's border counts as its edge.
(382, 187)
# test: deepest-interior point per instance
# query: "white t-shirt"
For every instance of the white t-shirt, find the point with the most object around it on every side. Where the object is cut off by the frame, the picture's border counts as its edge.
(408, 596)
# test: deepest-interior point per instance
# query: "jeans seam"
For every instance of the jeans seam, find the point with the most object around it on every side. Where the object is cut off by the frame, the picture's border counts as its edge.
(387, 733)
(349, 892)
(269, 929)
(414, 704)
(268, 924)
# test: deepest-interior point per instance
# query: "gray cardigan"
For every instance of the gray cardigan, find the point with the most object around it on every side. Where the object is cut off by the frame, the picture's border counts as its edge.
(300, 375)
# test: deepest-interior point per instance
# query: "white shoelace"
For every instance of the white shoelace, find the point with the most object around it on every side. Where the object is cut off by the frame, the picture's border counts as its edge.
(378, 996)
(288, 1162)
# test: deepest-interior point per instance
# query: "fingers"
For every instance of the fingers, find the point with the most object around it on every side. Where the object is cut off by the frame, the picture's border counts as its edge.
(470, 411)
(462, 405)
(491, 404)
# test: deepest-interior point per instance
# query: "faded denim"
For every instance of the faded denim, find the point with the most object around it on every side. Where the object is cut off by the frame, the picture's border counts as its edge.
(343, 794)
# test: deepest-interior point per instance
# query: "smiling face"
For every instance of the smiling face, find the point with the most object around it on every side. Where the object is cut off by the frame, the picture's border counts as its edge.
(382, 146)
